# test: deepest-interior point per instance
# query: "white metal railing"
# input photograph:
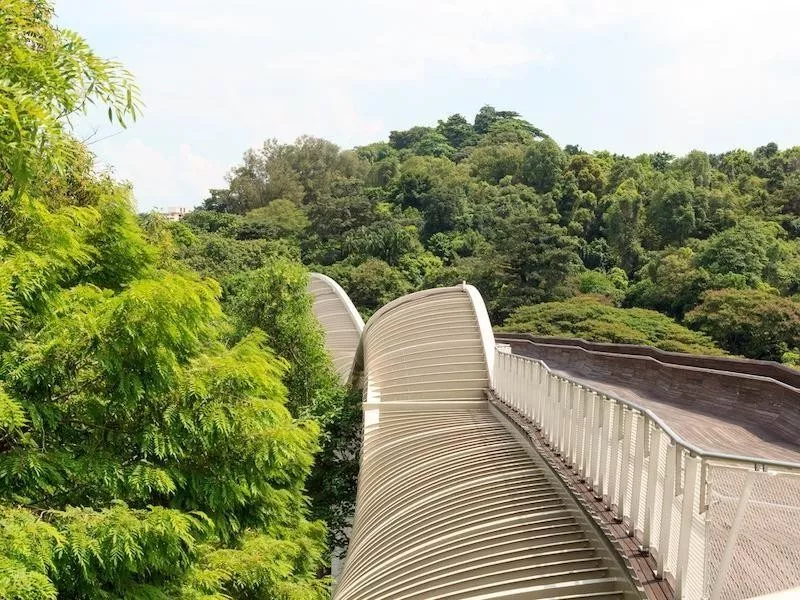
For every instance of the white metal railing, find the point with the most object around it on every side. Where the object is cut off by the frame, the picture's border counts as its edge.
(722, 527)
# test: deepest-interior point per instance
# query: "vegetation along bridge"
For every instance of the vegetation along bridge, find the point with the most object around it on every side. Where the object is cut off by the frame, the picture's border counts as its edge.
(521, 467)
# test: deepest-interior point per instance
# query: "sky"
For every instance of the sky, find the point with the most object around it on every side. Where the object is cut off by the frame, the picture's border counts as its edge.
(629, 76)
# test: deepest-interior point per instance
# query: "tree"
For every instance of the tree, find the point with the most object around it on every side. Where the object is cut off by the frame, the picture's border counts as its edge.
(670, 282)
(210, 221)
(623, 222)
(122, 392)
(301, 172)
(433, 143)
(589, 318)
(589, 173)
(754, 323)
(275, 300)
(458, 131)
(543, 165)
(387, 240)
(611, 285)
(492, 163)
(371, 284)
(47, 75)
(696, 166)
(745, 250)
(488, 116)
(143, 453)
(279, 218)
(672, 212)
(661, 161)
(540, 254)
(399, 140)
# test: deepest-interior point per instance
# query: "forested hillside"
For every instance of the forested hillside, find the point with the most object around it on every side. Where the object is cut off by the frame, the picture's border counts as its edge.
(707, 240)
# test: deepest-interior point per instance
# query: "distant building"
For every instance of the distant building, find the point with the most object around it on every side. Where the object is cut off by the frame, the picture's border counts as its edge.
(176, 213)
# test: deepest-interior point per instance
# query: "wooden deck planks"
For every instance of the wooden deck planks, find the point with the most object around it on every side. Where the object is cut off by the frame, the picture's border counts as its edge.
(726, 430)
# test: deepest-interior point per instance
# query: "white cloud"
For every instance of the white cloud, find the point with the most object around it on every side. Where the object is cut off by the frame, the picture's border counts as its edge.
(175, 176)
(218, 77)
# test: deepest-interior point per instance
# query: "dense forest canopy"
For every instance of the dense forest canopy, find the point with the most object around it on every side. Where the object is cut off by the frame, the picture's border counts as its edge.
(163, 434)
(709, 241)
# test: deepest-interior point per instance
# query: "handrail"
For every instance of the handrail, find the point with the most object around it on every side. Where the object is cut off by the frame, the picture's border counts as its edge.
(692, 448)
(675, 493)
(731, 364)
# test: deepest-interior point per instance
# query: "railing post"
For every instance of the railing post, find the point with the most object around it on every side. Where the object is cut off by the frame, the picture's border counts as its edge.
(638, 461)
(652, 480)
(515, 382)
(546, 405)
(552, 438)
(687, 520)
(588, 425)
(575, 437)
(563, 433)
(502, 385)
(527, 368)
(559, 420)
(574, 433)
(603, 437)
(597, 404)
(666, 510)
(622, 491)
(612, 466)
(567, 421)
(539, 394)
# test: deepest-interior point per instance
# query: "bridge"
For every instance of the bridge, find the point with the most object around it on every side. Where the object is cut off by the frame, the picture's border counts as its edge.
(511, 467)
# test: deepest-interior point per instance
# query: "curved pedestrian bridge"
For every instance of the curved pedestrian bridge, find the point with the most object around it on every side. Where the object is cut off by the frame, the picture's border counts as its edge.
(484, 475)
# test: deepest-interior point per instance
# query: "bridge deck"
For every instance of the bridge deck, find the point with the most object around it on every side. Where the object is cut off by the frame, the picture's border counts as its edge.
(453, 505)
(701, 421)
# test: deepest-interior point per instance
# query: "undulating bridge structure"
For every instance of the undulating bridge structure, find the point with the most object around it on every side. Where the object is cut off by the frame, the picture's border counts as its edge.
(513, 467)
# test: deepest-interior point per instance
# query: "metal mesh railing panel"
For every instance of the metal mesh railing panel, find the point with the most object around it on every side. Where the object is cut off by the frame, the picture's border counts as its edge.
(765, 556)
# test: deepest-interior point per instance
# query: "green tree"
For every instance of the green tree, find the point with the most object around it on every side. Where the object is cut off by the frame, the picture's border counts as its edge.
(589, 173)
(458, 131)
(670, 282)
(754, 323)
(589, 318)
(123, 392)
(143, 454)
(279, 218)
(543, 165)
(47, 75)
(747, 249)
(541, 255)
(400, 140)
(623, 221)
(492, 163)
(370, 284)
(672, 213)
(433, 143)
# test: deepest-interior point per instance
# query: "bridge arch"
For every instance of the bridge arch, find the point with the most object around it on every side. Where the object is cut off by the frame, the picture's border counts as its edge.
(451, 503)
(341, 323)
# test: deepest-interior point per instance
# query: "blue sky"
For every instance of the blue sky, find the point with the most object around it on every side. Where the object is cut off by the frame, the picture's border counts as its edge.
(629, 76)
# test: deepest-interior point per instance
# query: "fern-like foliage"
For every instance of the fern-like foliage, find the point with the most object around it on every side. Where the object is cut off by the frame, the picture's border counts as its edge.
(145, 452)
